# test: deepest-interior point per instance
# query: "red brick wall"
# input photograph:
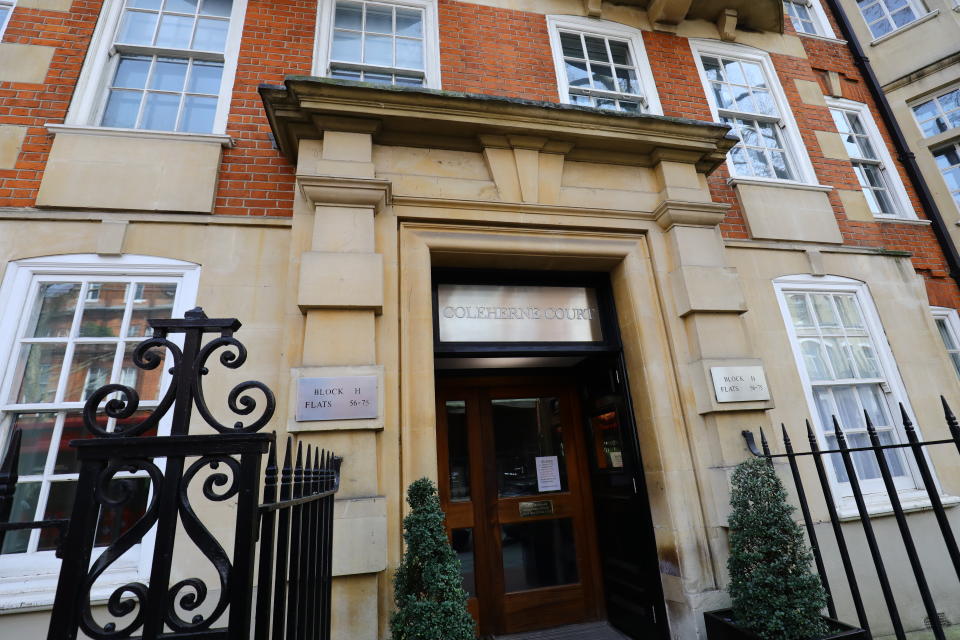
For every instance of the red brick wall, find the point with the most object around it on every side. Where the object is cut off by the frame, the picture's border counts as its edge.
(277, 41)
(495, 51)
(33, 105)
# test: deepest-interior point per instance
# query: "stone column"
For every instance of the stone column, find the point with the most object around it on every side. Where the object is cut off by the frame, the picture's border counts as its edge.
(708, 298)
(340, 294)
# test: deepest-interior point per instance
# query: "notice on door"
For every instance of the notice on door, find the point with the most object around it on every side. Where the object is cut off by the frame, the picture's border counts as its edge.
(548, 474)
(341, 398)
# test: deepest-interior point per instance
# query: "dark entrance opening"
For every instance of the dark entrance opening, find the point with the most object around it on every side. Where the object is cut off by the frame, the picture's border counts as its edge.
(542, 481)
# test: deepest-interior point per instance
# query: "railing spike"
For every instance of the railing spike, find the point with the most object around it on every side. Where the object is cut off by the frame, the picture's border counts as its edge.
(764, 443)
(288, 456)
(810, 434)
(905, 419)
(299, 465)
(786, 438)
(871, 430)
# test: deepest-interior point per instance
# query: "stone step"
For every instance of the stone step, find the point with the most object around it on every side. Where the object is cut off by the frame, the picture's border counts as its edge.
(588, 631)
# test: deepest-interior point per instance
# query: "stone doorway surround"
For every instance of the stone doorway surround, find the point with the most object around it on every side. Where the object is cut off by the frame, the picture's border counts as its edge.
(371, 222)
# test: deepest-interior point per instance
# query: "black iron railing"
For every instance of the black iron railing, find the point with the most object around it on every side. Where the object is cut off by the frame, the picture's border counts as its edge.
(296, 528)
(183, 470)
(918, 451)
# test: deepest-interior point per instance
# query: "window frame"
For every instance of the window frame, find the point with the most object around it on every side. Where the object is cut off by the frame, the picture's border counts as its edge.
(935, 98)
(603, 29)
(888, 169)
(918, 8)
(892, 388)
(10, 5)
(955, 145)
(820, 20)
(90, 97)
(796, 149)
(30, 579)
(952, 322)
(323, 40)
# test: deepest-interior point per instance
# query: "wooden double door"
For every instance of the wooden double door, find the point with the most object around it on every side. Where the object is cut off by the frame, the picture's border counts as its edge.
(515, 486)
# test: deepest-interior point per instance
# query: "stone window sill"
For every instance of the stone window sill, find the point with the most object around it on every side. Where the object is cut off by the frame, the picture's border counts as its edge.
(913, 219)
(911, 501)
(817, 36)
(785, 184)
(222, 140)
(944, 138)
(906, 27)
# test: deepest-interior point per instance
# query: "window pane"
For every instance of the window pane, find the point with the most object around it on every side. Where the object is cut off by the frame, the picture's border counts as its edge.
(458, 448)
(378, 50)
(712, 68)
(603, 77)
(754, 74)
(814, 361)
(411, 81)
(181, 6)
(346, 46)
(620, 52)
(145, 4)
(873, 404)
(348, 15)
(145, 382)
(122, 108)
(137, 28)
(169, 74)
(945, 333)
(627, 81)
(577, 74)
(216, 8)
(103, 316)
(409, 22)
(538, 554)
(73, 429)
(526, 430)
(379, 19)
(174, 31)
(205, 77)
(849, 312)
(838, 352)
(37, 431)
(90, 370)
(826, 318)
(596, 49)
(198, 114)
(571, 45)
(799, 311)
(153, 300)
(462, 543)
(903, 17)
(409, 53)
(53, 310)
(865, 357)
(132, 72)
(848, 409)
(41, 364)
(211, 34)
(160, 111)
(25, 499)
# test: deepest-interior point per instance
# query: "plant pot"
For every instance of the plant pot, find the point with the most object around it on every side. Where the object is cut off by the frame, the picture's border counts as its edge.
(720, 626)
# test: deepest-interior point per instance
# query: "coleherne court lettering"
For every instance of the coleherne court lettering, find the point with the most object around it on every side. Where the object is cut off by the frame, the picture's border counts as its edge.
(520, 313)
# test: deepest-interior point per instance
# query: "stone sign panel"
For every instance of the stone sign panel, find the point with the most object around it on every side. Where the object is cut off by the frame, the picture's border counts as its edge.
(339, 398)
(493, 313)
(739, 384)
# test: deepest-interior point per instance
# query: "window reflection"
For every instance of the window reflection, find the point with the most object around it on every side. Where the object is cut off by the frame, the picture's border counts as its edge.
(526, 429)
(458, 451)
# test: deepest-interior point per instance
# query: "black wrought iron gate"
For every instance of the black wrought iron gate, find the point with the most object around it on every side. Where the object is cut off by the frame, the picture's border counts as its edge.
(289, 535)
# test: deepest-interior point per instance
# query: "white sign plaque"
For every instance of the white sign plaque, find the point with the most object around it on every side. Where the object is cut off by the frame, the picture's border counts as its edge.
(493, 313)
(340, 398)
(548, 474)
(739, 384)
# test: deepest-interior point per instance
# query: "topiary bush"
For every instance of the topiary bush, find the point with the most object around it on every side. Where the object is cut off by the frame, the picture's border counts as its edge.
(428, 589)
(775, 594)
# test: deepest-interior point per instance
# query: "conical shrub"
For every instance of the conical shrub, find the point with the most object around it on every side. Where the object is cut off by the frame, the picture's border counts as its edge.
(775, 594)
(428, 592)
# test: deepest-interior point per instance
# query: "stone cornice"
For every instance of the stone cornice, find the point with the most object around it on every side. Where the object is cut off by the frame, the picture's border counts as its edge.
(445, 120)
(672, 213)
(350, 192)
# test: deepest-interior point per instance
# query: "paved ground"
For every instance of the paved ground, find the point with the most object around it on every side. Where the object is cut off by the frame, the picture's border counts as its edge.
(590, 631)
(952, 633)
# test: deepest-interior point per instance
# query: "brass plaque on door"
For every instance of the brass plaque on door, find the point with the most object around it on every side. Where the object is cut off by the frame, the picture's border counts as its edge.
(538, 508)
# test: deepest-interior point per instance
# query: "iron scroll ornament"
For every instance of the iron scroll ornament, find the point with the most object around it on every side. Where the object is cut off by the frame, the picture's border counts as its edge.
(187, 372)
(138, 608)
